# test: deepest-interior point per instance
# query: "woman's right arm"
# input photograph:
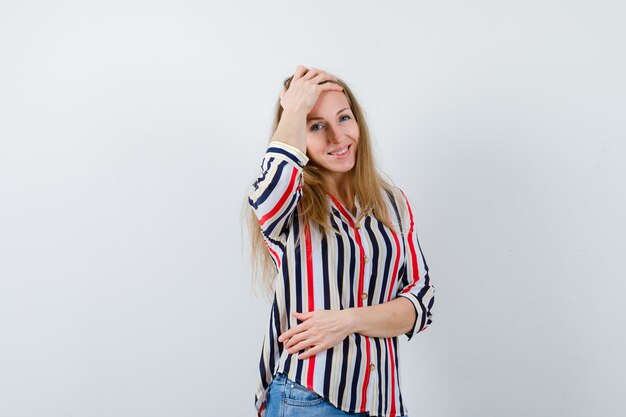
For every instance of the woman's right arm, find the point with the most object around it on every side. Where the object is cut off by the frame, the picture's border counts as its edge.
(278, 189)
(298, 100)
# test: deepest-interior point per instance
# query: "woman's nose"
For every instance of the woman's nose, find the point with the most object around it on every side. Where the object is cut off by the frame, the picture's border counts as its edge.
(333, 134)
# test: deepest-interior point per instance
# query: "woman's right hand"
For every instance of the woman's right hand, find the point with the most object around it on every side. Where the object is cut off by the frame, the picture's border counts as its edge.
(305, 89)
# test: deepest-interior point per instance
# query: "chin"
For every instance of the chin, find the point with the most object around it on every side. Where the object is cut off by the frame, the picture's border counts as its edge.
(339, 169)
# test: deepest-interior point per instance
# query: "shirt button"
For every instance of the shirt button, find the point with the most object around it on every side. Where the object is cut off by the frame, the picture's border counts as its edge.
(364, 296)
(366, 259)
(357, 226)
(372, 367)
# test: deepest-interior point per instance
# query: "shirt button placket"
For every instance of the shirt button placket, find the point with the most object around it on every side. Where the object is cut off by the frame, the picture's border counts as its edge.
(366, 259)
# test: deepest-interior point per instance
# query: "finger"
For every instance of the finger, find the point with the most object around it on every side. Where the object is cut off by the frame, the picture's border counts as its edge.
(297, 339)
(311, 73)
(330, 86)
(303, 316)
(289, 334)
(285, 336)
(310, 352)
(299, 72)
(300, 346)
(322, 77)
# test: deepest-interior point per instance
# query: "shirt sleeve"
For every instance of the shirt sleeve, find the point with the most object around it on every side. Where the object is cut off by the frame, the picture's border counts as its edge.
(276, 192)
(415, 284)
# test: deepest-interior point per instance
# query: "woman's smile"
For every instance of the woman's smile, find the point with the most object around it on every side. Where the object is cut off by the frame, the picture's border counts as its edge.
(341, 153)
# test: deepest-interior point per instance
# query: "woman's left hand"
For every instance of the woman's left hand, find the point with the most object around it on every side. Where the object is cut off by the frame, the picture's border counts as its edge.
(319, 330)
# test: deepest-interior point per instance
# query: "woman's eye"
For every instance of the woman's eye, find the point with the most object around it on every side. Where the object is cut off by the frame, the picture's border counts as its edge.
(313, 129)
(345, 115)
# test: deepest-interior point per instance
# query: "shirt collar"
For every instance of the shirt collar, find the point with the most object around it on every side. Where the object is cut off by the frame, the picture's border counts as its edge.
(345, 213)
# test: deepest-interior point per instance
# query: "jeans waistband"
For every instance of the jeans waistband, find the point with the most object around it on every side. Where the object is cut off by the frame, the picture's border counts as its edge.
(280, 378)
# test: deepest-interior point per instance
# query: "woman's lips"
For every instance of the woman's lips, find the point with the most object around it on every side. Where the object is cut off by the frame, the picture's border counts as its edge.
(340, 155)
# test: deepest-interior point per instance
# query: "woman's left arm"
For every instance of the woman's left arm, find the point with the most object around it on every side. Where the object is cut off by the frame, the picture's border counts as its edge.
(390, 319)
(415, 285)
(323, 329)
(409, 313)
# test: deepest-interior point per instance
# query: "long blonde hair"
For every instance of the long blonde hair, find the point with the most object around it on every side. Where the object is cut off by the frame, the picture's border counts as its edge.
(367, 184)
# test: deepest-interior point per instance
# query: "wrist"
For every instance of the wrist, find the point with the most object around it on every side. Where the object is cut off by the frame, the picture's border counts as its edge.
(352, 320)
(292, 129)
(295, 112)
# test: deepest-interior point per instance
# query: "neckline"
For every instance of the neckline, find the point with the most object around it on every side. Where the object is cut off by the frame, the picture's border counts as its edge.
(345, 212)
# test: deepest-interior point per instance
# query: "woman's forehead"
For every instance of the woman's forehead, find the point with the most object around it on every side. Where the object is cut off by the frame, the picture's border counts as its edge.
(329, 103)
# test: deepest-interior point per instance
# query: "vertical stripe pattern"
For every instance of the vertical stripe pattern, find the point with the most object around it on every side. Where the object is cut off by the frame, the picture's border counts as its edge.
(363, 262)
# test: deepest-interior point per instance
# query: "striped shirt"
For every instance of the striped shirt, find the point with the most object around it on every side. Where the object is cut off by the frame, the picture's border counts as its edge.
(362, 263)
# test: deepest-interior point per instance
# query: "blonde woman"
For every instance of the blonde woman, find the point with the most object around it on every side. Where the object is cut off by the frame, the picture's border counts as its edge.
(340, 257)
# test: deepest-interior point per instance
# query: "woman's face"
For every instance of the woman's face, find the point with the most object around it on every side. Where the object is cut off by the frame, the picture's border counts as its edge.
(332, 134)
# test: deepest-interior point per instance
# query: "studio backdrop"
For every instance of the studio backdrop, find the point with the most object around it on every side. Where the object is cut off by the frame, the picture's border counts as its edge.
(130, 132)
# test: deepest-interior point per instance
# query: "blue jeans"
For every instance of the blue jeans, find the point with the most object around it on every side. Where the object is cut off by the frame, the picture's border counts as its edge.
(287, 398)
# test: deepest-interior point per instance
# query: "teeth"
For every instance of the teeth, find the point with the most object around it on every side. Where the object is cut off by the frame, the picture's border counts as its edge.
(340, 152)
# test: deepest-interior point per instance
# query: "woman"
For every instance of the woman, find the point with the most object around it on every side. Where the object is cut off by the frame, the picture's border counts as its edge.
(341, 250)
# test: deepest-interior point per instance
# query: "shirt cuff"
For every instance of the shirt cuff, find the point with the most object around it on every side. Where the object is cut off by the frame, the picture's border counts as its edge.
(417, 308)
(288, 152)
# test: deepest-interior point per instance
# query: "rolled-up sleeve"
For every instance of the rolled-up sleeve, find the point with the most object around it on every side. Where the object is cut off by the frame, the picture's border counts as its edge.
(415, 285)
(278, 189)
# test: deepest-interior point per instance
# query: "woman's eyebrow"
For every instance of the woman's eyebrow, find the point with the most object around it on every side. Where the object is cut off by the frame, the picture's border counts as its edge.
(320, 118)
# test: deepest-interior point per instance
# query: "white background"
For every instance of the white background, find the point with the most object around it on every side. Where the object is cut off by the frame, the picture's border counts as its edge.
(131, 130)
